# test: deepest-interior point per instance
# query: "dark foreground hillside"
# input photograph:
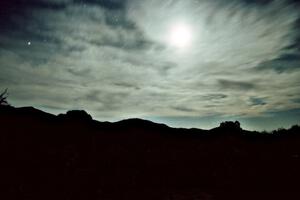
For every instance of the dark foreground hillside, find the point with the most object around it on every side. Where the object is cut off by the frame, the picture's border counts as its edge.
(71, 156)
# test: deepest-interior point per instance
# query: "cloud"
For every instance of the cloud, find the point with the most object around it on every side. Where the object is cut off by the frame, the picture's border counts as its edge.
(234, 32)
(112, 57)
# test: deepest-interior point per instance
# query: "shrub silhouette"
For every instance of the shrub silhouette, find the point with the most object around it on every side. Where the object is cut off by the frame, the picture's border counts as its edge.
(231, 125)
(3, 98)
(76, 115)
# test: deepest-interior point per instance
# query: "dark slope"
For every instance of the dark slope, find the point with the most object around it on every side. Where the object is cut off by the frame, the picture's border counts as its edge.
(72, 156)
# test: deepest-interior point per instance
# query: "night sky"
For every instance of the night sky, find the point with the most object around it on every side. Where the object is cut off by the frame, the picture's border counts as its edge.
(189, 63)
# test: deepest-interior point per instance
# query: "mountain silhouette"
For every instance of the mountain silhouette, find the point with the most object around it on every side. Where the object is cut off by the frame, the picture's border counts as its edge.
(71, 156)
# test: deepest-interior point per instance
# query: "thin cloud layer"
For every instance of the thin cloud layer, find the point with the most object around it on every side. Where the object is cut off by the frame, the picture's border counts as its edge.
(113, 59)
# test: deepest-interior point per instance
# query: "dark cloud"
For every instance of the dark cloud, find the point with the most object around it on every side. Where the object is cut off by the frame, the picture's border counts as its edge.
(126, 85)
(106, 100)
(108, 4)
(57, 4)
(80, 72)
(214, 96)
(236, 85)
(184, 109)
(287, 62)
(52, 108)
(121, 41)
(10, 9)
(297, 100)
(21, 4)
(93, 95)
(254, 101)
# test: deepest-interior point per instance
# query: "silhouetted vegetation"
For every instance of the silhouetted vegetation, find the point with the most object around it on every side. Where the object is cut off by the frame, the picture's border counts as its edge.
(48, 157)
(3, 98)
(231, 125)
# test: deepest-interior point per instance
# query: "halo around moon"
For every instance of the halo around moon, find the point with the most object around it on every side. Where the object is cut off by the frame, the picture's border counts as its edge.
(180, 35)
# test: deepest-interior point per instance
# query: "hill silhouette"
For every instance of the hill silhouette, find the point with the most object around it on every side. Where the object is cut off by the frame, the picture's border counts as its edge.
(71, 156)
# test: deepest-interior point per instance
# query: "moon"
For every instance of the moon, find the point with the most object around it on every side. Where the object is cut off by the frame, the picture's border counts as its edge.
(180, 35)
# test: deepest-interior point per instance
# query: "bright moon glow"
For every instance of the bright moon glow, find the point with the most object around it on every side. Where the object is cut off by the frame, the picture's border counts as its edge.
(180, 35)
